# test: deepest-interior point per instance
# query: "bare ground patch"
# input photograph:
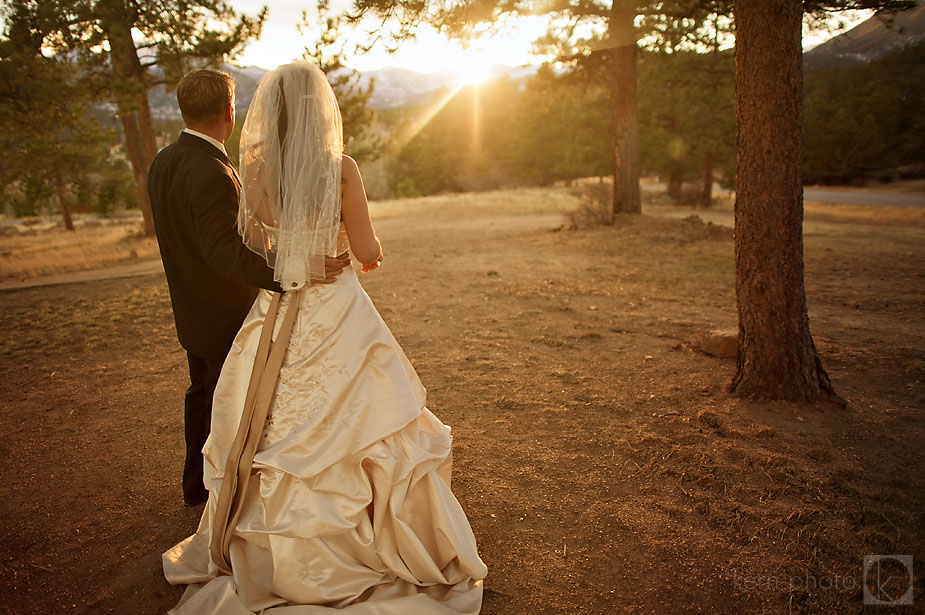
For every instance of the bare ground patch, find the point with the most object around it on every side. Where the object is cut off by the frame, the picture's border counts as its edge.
(600, 461)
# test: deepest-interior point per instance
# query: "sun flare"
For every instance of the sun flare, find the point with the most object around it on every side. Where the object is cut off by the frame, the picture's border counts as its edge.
(475, 69)
(472, 59)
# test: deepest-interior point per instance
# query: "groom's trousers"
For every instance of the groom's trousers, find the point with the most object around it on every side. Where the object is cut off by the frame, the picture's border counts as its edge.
(203, 375)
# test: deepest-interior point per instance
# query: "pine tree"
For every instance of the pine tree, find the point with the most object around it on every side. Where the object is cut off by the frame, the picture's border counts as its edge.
(117, 42)
(561, 128)
(47, 137)
(329, 53)
(687, 118)
(616, 27)
(777, 357)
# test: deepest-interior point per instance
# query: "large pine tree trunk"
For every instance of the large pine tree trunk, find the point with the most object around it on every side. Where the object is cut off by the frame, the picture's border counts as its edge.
(131, 97)
(776, 357)
(146, 124)
(134, 146)
(623, 108)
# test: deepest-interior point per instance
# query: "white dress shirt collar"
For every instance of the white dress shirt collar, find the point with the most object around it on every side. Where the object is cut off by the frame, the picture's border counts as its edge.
(214, 142)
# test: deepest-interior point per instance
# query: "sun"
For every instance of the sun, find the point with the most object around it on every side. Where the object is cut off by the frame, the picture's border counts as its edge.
(474, 68)
(471, 61)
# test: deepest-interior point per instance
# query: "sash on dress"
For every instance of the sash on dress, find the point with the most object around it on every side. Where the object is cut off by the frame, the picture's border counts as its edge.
(267, 364)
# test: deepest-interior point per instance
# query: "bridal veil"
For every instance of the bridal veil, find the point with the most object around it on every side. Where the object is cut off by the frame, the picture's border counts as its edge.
(291, 150)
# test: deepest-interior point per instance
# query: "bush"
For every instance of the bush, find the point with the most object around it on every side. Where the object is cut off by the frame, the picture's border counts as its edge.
(406, 189)
(595, 205)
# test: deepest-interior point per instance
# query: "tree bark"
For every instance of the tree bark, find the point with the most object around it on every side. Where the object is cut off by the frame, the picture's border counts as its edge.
(777, 358)
(676, 181)
(62, 200)
(706, 195)
(622, 31)
(134, 146)
(131, 94)
(146, 125)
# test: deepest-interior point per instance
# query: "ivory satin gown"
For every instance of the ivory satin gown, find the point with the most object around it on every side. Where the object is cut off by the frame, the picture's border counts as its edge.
(348, 508)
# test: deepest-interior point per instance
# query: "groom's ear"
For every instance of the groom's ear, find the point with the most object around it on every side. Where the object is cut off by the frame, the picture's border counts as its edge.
(229, 113)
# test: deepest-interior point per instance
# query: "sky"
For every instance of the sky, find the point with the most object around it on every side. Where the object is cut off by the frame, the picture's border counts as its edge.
(281, 42)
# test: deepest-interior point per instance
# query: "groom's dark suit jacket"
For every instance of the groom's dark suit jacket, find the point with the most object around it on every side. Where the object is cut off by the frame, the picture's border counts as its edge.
(212, 276)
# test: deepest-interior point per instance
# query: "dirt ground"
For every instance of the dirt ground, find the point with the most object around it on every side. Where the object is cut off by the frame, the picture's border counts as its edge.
(602, 464)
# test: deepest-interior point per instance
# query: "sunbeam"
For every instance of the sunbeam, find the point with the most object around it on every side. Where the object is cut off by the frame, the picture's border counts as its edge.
(417, 124)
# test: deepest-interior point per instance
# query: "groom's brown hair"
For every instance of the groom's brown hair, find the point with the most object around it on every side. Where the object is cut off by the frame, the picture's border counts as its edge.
(204, 94)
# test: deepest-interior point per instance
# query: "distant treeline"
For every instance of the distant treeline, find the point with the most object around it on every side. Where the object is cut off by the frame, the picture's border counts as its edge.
(862, 122)
(557, 127)
(866, 121)
(500, 133)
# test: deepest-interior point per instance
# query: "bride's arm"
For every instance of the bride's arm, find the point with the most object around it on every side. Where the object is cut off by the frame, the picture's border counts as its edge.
(255, 185)
(363, 241)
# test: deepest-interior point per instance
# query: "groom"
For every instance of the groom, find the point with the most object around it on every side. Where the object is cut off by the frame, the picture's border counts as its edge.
(212, 276)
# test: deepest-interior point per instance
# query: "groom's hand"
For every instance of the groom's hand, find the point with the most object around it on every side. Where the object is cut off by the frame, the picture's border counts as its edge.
(334, 266)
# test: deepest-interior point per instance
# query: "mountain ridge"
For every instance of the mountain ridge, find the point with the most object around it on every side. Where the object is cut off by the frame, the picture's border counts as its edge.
(394, 86)
(872, 39)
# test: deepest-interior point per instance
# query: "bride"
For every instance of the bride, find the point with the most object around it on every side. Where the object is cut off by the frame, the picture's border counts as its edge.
(328, 478)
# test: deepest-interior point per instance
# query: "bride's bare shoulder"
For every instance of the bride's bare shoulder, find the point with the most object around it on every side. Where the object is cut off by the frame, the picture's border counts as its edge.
(354, 193)
(349, 169)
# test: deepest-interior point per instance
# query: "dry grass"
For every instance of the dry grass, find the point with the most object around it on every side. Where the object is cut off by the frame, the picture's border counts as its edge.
(514, 202)
(905, 186)
(861, 214)
(43, 248)
(814, 212)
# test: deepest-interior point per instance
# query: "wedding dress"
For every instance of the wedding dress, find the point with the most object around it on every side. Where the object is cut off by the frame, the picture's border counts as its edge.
(348, 505)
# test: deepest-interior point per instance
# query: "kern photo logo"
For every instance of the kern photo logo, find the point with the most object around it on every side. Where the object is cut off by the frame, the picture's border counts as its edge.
(888, 580)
